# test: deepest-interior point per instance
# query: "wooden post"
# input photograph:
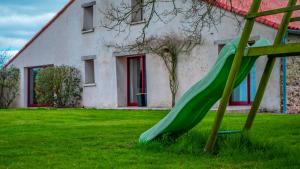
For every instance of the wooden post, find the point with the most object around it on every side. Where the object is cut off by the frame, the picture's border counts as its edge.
(268, 69)
(231, 78)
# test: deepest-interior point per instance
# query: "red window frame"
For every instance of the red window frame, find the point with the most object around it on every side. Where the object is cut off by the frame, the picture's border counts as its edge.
(28, 86)
(240, 103)
(243, 103)
(143, 83)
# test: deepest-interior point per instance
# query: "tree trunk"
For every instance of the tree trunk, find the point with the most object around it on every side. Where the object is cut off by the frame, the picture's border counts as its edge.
(173, 99)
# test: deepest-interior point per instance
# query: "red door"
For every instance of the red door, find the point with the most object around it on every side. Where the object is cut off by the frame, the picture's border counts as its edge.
(136, 79)
(32, 73)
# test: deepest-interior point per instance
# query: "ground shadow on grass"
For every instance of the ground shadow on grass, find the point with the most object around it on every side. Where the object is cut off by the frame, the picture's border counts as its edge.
(189, 143)
(234, 148)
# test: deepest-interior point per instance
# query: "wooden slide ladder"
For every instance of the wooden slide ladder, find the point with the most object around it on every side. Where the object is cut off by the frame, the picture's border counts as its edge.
(272, 52)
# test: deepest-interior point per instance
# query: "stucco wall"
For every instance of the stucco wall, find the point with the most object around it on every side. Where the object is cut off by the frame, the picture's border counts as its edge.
(64, 43)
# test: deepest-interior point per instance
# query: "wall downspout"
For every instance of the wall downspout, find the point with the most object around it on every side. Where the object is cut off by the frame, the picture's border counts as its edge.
(283, 67)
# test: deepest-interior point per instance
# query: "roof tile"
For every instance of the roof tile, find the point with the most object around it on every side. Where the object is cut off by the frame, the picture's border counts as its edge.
(241, 7)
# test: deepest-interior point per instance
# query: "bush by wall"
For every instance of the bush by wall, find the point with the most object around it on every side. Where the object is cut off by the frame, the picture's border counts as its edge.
(59, 86)
(9, 85)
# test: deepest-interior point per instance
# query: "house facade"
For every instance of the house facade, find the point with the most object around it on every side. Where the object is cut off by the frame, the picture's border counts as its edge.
(113, 79)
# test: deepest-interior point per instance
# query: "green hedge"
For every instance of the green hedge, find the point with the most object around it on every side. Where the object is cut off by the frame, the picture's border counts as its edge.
(59, 86)
(9, 85)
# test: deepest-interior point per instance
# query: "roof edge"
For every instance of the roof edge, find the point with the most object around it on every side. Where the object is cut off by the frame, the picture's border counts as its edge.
(243, 13)
(40, 32)
(215, 3)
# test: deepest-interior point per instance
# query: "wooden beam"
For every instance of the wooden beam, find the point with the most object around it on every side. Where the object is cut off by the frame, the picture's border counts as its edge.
(292, 49)
(268, 69)
(295, 19)
(209, 147)
(272, 12)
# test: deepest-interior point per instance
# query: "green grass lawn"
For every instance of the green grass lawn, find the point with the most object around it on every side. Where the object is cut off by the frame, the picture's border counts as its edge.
(88, 138)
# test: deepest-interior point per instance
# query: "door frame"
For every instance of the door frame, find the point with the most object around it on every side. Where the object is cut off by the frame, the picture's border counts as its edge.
(143, 65)
(28, 86)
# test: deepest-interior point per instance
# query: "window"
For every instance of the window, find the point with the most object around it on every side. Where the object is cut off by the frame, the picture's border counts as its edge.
(89, 71)
(136, 80)
(88, 16)
(244, 93)
(137, 8)
(32, 74)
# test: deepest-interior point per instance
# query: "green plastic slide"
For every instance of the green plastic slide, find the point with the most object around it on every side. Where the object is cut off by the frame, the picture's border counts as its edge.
(192, 107)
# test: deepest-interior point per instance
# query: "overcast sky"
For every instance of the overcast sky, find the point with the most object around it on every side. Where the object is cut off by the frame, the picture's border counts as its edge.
(21, 19)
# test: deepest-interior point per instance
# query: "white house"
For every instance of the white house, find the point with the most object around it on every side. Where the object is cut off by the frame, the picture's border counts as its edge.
(112, 79)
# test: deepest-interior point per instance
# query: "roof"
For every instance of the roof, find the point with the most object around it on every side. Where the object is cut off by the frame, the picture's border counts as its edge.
(41, 31)
(241, 7)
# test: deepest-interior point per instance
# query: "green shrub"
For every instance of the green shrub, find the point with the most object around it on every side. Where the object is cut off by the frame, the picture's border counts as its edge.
(59, 86)
(9, 85)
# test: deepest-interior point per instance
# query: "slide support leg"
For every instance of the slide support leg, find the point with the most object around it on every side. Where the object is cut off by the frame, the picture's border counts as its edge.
(231, 78)
(260, 92)
(268, 69)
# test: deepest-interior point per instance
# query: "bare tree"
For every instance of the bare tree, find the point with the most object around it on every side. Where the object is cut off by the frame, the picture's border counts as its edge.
(3, 57)
(196, 15)
(168, 47)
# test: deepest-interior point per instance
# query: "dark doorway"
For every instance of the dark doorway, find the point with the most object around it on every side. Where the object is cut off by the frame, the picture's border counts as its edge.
(136, 79)
(32, 74)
